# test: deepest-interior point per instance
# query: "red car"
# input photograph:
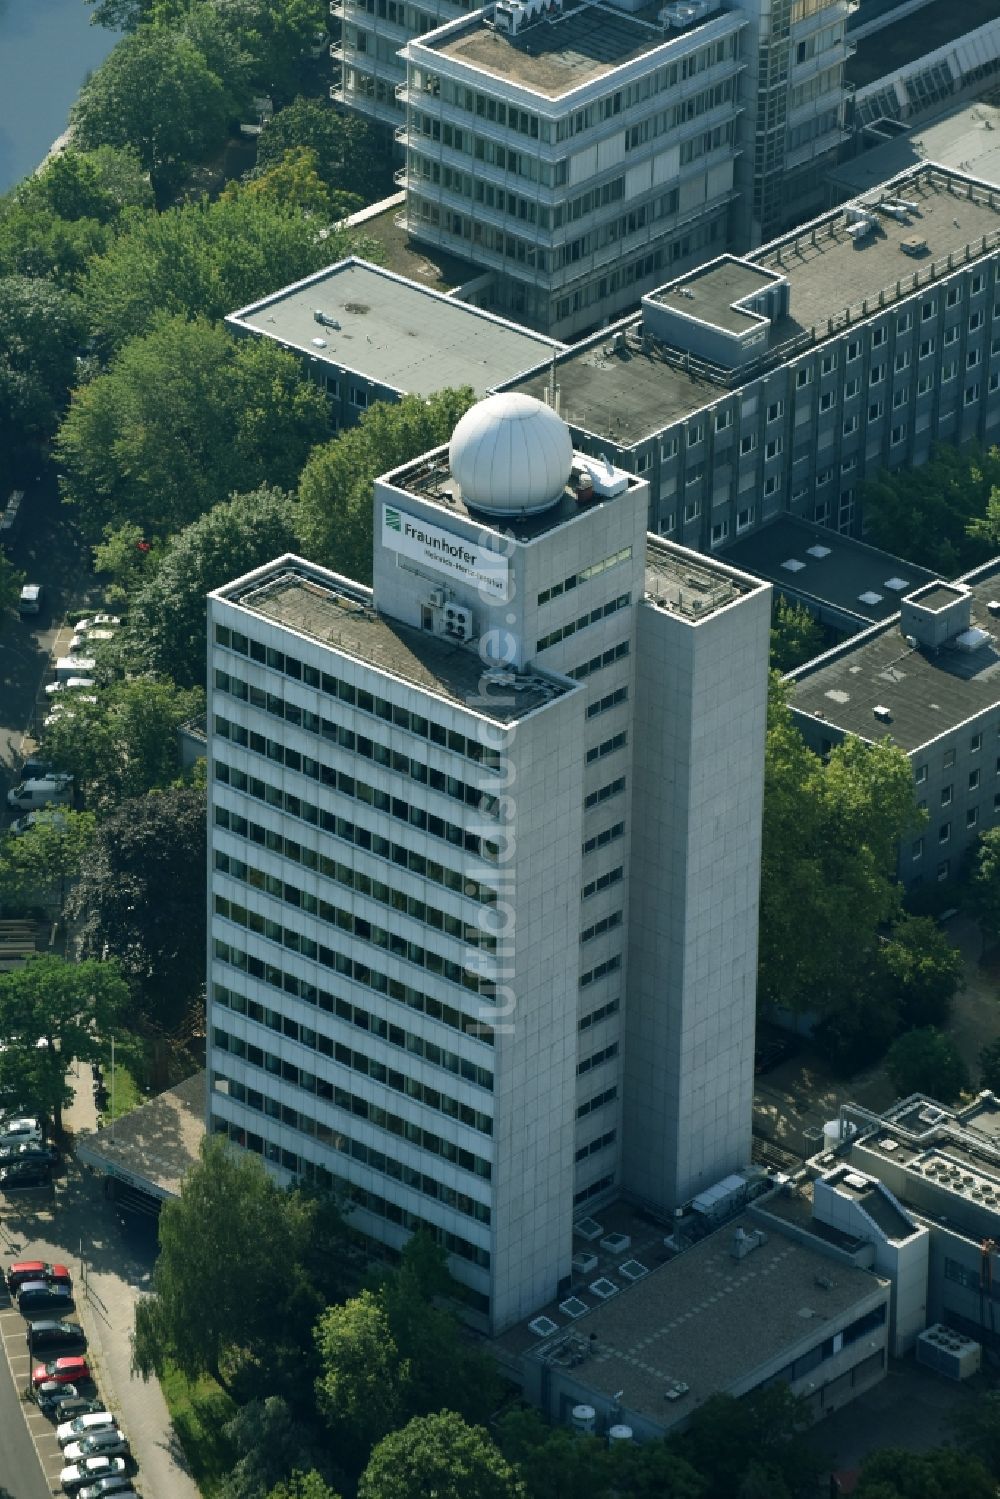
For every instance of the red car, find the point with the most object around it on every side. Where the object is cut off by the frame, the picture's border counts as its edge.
(33, 1270)
(61, 1371)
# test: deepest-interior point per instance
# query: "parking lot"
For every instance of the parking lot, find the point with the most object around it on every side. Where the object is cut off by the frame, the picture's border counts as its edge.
(42, 1431)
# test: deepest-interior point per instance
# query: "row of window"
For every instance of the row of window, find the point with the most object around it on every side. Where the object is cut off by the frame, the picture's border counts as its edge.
(604, 793)
(361, 1019)
(575, 579)
(603, 882)
(376, 890)
(606, 1054)
(597, 663)
(354, 926)
(396, 807)
(597, 1102)
(367, 1066)
(357, 697)
(599, 928)
(601, 1143)
(608, 701)
(311, 994)
(594, 1190)
(370, 1201)
(603, 1012)
(975, 745)
(345, 739)
(602, 839)
(600, 971)
(310, 858)
(575, 625)
(944, 829)
(607, 747)
(678, 115)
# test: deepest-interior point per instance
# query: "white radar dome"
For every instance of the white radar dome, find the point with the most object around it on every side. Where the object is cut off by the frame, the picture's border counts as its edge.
(511, 454)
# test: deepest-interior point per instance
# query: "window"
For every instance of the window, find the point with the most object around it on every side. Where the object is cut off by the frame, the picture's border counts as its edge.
(723, 419)
(902, 360)
(978, 282)
(972, 817)
(954, 296)
(775, 410)
(719, 532)
(900, 397)
(803, 377)
(748, 443)
(924, 384)
(973, 358)
(904, 322)
(949, 759)
(926, 348)
(827, 399)
(898, 435)
(876, 374)
(950, 336)
(359, 396)
(973, 780)
(851, 424)
(853, 349)
(668, 449)
(920, 774)
(944, 832)
(695, 434)
(972, 394)
(694, 474)
(975, 744)
(975, 322)
(917, 851)
(744, 519)
(771, 485)
(851, 388)
(875, 411)
(927, 311)
(692, 511)
(946, 794)
(773, 448)
(829, 363)
(948, 371)
(878, 337)
(944, 869)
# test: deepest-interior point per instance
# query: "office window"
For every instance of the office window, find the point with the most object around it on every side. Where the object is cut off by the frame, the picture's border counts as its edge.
(773, 448)
(975, 743)
(695, 434)
(719, 532)
(878, 337)
(803, 377)
(994, 382)
(851, 388)
(975, 321)
(744, 519)
(898, 435)
(771, 485)
(924, 384)
(775, 410)
(946, 795)
(723, 419)
(927, 311)
(824, 476)
(973, 780)
(948, 371)
(827, 399)
(668, 449)
(950, 336)
(875, 411)
(748, 443)
(853, 349)
(692, 511)
(949, 759)
(694, 473)
(972, 394)
(902, 360)
(917, 851)
(926, 348)
(972, 817)
(851, 424)
(943, 870)
(978, 282)
(876, 374)
(954, 296)
(944, 832)
(829, 363)
(920, 774)
(973, 358)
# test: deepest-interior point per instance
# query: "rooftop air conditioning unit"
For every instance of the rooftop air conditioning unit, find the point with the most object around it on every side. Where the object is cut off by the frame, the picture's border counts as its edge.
(588, 1229)
(437, 598)
(458, 622)
(543, 1327)
(882, 713)
(948, 1353)
(584, 1263)
(616, 1243)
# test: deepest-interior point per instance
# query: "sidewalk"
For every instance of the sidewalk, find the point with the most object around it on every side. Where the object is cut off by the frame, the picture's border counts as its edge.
(80, 1222)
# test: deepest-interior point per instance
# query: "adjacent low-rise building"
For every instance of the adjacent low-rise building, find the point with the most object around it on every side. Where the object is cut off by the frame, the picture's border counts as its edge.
(928, 679)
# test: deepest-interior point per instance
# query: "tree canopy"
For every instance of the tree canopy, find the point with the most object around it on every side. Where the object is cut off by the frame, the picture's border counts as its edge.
(42, 327)
(141, 898)
(54, 1012)
(795, 636)
(921, 969)
(941, 508)
(759, 1438)
(155, 93)
(349, 152)
(166, 629)
(942, 1473)
(926, 1061)
(984, 882)
(37, 864)
(206, 258)
(441, 1455)
(335, 491)
(186, 416)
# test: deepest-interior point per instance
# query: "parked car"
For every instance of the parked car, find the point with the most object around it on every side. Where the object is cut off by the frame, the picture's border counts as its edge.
(29, 1150)
(87, 640)
(72, 1370)
(118, 1484)
(97, 622)
(17, 1128)
(34, 767)
(68, 667)
(23, 824)
(25, 1174)
(107, 1443)
(85, 1426)
(69, 1404)
(88, 1469)
(31, 598)
(46, 791)
(46, 1335)
(23, 1270)
(70, 684)
(42, 1297)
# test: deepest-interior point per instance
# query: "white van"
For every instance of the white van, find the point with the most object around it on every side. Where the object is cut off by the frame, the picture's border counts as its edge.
(30, 601)
(74, 666)
(46, 791)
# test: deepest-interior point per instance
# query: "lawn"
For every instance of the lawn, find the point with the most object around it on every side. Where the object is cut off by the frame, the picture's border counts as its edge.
(130, 1070)
(199, 1409)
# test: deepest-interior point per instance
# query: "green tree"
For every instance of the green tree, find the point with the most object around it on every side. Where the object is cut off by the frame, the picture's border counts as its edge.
(227, 1244)
(141, 898)
(439, 1455)
(942, 1473)
(166, 630)
(363, 1388)
(976, 1426)
(335, 491)
(921, 969)
(11, 582)
(127, 557)
(156, 94)
(41, 330)
(271, 1442)
(795, 636)
(766, 1430)
(186, 416)
(295, 182)
(830, 832)
(35, 241)
(52, 1013)
(126, 743)
(940, 507)
(96, 185)
(984, 882)
(309, 1485)
(989, 1063)
(351, 154)
(38, 864)
(926, 1061)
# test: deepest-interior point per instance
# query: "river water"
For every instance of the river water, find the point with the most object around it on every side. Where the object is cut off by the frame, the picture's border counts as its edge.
(47, 48)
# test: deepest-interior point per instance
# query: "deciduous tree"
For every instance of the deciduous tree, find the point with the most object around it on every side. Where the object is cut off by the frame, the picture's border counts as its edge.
(440, 1455)
(155, 93)
(185, 417)
(54, 1012)
(351, 156)
(42, 328)
(166, 630)
(766, 1430)
(894, 1473)
(941, 508)
(984, 882)
(335, 491)
(38, 864)
(363, 1388)
(795, 636)
(927, 1061)
(271, 1442)
(921, 969)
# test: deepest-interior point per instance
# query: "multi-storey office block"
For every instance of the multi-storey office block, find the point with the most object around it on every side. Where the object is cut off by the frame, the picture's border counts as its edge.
(781, 381)
(579, 157)
(430, 803)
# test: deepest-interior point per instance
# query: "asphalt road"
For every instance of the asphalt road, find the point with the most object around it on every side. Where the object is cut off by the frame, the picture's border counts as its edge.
(20, 1467)
(48, 550)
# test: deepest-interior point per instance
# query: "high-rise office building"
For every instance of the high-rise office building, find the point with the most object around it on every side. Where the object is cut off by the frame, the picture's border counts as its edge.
(485, 845)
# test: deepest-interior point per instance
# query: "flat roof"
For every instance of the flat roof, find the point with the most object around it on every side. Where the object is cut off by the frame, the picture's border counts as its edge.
(829, 569)
(872, 1198)
(966, 138)
(556, 54)
(709, 294)
(904, 41)
(394, 332)
(154, 1146)
(927, 693)
(625, 385)
(708, 1320)
(426, 264)
(304, 598)
(690, 584)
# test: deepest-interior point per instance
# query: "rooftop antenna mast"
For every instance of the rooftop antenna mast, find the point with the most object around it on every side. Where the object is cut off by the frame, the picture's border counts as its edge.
(552, 381)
